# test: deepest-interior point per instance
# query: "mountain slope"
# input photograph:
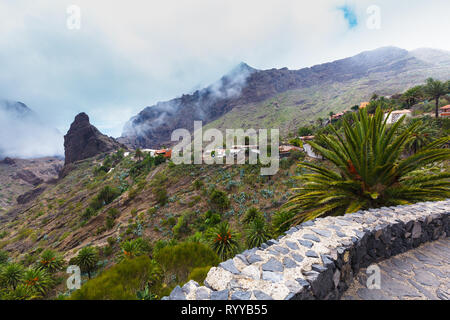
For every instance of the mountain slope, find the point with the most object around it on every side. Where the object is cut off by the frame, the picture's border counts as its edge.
(283, 98)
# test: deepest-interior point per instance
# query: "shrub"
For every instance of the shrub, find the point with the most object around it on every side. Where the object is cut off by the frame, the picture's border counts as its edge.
(281, 221)
(122, 281)
(161, 195)
(3, 257)
(251, 214)
(219, 200)
(199, 274)
(181, 259)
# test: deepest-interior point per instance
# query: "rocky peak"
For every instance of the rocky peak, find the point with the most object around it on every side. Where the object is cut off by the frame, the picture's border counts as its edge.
(83, 140)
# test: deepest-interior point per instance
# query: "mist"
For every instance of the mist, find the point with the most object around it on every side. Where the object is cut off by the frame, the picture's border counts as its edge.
(23, 135)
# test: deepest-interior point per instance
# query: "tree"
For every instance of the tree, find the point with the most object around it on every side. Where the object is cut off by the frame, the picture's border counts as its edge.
(422, 135)
(87, 260)
(51, 261)
(131, 248)
(38, 280)
(11, 275)
(412, 96)
(223, 241)
(305, 131)
(370, 170)
(257, 233)
(435, 89)
(139, 154)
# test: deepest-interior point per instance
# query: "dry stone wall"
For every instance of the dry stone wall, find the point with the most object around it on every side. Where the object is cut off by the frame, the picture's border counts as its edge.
(317, 259)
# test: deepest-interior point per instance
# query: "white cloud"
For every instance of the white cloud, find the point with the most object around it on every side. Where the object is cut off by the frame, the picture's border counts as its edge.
(131, 54)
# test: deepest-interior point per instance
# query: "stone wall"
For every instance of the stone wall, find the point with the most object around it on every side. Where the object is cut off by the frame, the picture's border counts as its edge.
(317, 259)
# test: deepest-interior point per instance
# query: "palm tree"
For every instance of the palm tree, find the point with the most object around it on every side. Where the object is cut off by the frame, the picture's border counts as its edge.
(51, 261)
(370, 171)
(435, 89)
(131, 248)
(38, 280)
(223, 241)
(87, 260)
(420, 137)
(412, 96)
(257, 233)
(138, 154)
(11, 275)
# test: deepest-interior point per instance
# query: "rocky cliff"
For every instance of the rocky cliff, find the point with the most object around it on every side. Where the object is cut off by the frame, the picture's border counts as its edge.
(83, 140)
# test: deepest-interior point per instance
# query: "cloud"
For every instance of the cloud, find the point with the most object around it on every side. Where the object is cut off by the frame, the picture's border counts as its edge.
(23, 135)
(128, 55)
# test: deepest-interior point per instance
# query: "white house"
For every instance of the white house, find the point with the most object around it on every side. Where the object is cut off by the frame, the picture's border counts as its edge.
(394, 116)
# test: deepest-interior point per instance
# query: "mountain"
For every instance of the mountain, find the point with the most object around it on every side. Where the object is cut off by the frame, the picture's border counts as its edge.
(282, 98)
(19, 177)
(24, 135)
(83, 140)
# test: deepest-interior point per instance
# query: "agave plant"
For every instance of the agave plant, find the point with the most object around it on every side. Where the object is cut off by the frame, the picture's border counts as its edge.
(370, 170)
(257, 233)
(38, 280)
(223, 240)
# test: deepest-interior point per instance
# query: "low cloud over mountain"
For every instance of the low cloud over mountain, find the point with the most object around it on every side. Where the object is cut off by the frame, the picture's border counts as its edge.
(24, 135)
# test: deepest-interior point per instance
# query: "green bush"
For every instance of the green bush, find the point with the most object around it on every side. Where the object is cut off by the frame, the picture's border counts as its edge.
(199, 274)
(160, 193)
(219, 200)
(122, 281)
(181, 259)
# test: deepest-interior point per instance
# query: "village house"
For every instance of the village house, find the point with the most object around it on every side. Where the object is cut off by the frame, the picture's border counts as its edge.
(394, 116)
(444, 111)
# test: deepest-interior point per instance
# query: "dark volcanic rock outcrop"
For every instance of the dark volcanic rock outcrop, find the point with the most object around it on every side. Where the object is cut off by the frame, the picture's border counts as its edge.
(83, 140)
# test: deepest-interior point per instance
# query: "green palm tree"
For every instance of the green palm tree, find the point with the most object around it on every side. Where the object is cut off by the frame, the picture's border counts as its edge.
(435, 89)
(422, 135)
(87, 260)
(131, 248)
(11, 275)
(257, 233)
(412, 96)
(370, 171)
(38, 280)
(223, 240)
(51, 261)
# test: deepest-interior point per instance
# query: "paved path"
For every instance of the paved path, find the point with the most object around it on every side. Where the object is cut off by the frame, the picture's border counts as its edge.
(422, 273)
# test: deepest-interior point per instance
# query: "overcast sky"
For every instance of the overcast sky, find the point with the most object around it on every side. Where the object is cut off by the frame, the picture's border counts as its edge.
(130, 54)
